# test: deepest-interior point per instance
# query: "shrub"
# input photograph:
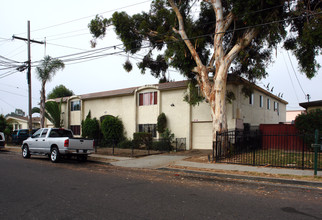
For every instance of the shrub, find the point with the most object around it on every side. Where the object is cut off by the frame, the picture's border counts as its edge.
(126, 144)
(142, 138)
(308, 123)
(162, 123)
(90, 127)
(112, 129)
(162, 145)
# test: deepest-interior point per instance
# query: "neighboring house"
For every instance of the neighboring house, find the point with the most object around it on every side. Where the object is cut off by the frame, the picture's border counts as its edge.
(139, 108)
(309, 106)
(21, 122)
(291, 115)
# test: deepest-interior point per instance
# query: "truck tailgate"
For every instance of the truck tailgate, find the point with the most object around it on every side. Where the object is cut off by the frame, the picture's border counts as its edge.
(80, 144)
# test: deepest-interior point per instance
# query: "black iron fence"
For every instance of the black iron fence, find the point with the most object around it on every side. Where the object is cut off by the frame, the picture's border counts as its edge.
(133, 149)
(270, 149)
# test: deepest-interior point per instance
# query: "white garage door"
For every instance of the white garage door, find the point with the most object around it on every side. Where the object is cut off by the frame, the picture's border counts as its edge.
(202, 135)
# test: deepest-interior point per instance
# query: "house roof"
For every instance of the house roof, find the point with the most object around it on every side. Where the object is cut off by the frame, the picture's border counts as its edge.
(311, 104)
(163, 86)
(23, 118)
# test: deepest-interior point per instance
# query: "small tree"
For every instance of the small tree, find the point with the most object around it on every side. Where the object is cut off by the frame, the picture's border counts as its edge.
(5, 127)
(112, 129)
(90, 127)
(59, 92)
(308, 122)
(162, 123)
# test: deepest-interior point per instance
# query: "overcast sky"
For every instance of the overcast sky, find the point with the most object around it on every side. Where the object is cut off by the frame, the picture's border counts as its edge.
(64, 26)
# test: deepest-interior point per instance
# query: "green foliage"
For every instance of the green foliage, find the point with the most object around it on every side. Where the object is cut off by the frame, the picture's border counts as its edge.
(193, 96)
(3, 123)
(90, 127)
(5, 127)
(126, 144)
(48, 68)
(164, 144)
(167, 49)
(59, 92)
(127, 66)
(162, 123)
(230, 96)
(52, 112)
(308, 122)
(112, 129)
(142, 138)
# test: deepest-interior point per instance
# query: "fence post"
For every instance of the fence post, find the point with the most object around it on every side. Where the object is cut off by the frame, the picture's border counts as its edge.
(316, 137)
(303, 151)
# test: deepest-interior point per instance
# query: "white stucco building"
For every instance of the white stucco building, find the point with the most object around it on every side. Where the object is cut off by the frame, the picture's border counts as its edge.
(139, 108)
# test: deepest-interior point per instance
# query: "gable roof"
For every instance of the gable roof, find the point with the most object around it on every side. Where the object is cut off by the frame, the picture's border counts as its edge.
(232, 79)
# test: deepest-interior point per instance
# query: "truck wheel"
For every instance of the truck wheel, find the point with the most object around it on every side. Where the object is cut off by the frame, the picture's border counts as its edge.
(54, 155)
(25, 151)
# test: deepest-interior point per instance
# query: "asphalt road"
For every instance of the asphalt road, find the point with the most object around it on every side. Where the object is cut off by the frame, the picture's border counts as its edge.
(38, 189)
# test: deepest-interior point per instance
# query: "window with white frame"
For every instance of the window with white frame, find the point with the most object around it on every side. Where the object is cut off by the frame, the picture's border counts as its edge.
(261, 102)
(148, 98)
(75, 105)
(268, 104)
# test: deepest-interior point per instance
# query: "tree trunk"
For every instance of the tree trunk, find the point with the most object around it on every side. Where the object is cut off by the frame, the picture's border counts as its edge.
(42, 104)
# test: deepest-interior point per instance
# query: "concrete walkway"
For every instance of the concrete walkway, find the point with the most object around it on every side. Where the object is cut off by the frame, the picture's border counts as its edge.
(162, 161)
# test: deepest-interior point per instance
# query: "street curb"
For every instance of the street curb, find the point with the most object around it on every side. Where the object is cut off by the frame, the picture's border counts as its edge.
(297, 183)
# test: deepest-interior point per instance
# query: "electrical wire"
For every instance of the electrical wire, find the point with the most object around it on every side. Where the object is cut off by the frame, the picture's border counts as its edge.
(86, 17)
(295, 73)
(290, 78)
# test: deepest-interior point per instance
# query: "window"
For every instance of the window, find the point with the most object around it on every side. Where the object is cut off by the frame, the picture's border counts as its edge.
(268, 104)
(60, 133)
(251, 99)
(261, 103)
(44, 132)
(276, 107)
(75, 129)
(75, 105)
(148, 98)
(37, 134)
(149, 128)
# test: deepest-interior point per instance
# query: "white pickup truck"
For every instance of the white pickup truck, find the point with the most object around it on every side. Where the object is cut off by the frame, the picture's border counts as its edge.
(56, 142)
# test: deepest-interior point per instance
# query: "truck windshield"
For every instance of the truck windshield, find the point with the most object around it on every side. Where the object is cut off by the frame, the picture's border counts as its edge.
(60, 133)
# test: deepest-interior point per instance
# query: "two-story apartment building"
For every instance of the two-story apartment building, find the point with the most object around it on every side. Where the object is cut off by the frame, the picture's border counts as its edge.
(139, 108)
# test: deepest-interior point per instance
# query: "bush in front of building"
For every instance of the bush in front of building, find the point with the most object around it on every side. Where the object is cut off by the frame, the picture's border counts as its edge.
(125, 144)
(142, 138)
(112, 129)
(161, 123)
(90, 127)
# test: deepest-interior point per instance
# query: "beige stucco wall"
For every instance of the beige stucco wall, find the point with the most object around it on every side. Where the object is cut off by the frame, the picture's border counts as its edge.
(253, 113)
(177, 112)
(147, 114)
(122, 107)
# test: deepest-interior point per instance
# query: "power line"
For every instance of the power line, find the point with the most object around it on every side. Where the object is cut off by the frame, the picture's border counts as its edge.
(290, 79)
(86, 17)
(295, 73)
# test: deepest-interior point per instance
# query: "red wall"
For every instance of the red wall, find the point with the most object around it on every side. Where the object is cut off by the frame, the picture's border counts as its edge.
(280, 136)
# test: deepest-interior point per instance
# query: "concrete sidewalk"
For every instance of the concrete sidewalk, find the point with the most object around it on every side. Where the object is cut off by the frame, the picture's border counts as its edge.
(161, 161)
(245, 173)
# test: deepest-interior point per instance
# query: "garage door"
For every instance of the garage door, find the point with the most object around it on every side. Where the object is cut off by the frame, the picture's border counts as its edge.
(202, 135)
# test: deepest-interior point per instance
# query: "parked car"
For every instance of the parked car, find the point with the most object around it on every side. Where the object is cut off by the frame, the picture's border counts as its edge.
(18, 136)
(2, 140)
(57, 142)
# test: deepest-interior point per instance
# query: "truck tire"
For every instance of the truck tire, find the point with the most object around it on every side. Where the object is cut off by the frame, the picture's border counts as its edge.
(54, 155)
(25, 151)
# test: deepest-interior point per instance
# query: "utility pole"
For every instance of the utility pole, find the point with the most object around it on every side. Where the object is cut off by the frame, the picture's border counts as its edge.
(29, 73)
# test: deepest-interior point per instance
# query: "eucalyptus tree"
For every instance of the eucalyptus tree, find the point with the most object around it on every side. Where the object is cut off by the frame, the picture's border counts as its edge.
(206, 39)
(45, 72)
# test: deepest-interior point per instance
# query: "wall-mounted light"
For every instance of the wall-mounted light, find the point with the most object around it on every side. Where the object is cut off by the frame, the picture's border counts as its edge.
(172, 105)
